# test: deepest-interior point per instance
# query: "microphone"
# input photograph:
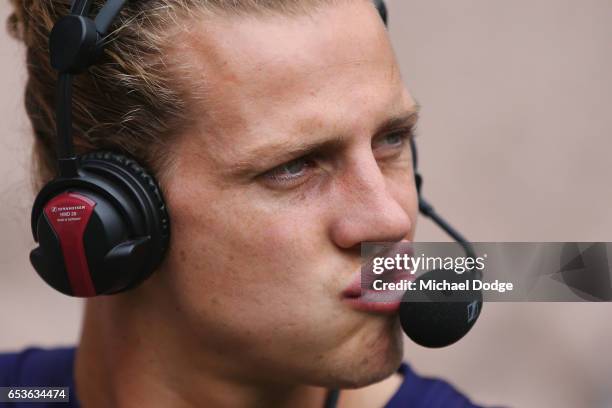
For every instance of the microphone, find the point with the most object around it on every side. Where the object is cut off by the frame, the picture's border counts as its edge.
(439, 318)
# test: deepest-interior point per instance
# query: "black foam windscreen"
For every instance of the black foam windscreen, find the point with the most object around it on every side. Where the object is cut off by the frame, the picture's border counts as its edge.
(438, 318)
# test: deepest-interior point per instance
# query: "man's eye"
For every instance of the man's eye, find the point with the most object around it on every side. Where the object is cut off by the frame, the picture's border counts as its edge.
(294, 168)
(393, 140)
(290, 173)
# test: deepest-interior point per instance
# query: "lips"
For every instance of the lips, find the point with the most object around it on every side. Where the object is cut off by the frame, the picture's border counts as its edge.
(360, 295)
(373, 307)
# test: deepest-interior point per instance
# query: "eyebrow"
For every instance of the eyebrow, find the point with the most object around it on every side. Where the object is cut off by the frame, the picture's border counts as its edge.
(287, 150)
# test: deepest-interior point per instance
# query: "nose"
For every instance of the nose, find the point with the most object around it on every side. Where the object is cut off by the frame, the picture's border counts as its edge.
(375, 206)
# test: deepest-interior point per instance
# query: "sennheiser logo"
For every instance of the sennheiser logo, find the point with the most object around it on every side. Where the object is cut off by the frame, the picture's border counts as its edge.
(56, 209)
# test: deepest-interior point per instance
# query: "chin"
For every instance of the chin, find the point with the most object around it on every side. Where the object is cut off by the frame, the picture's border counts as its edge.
(372, 356)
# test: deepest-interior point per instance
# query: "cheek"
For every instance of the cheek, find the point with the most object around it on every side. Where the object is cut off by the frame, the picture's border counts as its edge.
(252, 278)
(236, 254)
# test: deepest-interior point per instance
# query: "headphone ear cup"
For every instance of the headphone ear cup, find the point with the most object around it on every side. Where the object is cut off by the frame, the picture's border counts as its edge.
(142, 184)
(102, 232)
(150, 202)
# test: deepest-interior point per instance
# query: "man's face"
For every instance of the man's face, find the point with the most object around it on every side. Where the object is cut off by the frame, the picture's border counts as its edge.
(293, 162)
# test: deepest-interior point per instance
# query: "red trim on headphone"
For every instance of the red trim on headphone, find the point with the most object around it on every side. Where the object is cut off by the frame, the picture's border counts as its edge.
(69, 214)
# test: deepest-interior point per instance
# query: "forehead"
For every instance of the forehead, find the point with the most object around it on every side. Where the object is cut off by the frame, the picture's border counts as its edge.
(291, 71)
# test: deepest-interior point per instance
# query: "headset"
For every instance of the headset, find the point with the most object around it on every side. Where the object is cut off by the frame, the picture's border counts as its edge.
(102, 224)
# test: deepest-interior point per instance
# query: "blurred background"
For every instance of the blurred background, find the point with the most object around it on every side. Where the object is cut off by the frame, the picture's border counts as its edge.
(514, 145)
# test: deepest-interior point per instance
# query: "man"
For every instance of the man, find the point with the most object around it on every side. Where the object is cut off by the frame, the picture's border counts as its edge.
(296, 152)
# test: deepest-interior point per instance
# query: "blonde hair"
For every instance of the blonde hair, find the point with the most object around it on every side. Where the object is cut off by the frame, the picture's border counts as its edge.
(129, 102)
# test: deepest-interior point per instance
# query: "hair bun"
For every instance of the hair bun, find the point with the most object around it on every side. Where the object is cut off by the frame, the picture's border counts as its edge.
(15, 22)
(32, 20)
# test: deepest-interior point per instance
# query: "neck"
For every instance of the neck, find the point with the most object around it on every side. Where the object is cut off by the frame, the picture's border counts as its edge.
(129, 357)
